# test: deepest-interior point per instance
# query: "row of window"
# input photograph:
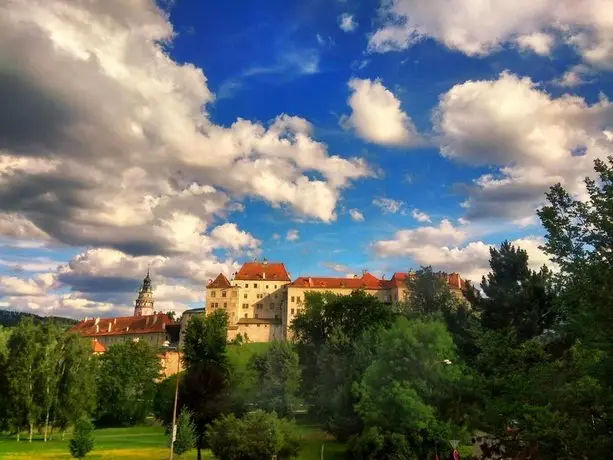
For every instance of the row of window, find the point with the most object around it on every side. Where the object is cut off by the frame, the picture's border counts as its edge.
(216, 304)
(223, 293)
(256, 316)
(297, 299)
(255, 285)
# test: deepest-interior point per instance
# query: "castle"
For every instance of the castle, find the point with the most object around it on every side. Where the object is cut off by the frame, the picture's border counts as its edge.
(261, 300)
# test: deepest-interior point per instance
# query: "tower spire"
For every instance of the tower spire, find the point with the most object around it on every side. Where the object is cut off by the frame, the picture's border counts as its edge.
(144, 301)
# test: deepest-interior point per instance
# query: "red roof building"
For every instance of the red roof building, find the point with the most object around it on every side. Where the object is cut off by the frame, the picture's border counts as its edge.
(270, 271)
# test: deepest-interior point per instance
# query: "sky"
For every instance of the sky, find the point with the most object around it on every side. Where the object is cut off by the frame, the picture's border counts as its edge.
(332, 135)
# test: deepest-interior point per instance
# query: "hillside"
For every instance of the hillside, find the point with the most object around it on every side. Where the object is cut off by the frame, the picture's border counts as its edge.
(11, 318)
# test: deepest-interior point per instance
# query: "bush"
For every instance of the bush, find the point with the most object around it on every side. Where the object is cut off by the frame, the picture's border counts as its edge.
(82, 441)
(186, 433)
(374, 444)
(257, 436)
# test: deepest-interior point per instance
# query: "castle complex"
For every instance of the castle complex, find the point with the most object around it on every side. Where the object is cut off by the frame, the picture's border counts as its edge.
(261, 300)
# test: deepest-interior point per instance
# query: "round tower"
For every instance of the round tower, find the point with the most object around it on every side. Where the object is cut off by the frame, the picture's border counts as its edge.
(144, 302)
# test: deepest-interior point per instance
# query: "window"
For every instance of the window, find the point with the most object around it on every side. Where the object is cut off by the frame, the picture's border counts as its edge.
(276, 316)
(298, 299)
(225, 304)
(260, 306)
(233, 293)
(245, 296)
(292, 311)
(256, 315)
(293, 299)
(213, 293)
(223, 293)
(260, 296)
(245, 305)
(258, 323)
(255, 285)
(245, 315)
(271, 306)
(267, 286)
(275, 286)
(246, 285)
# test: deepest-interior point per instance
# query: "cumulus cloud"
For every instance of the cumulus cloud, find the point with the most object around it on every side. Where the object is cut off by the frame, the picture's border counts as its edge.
(356, 215)
(420, 216)
(292, 235)
(534, 139)
(388, 205)
(377, 116)
(347, 23)
(447, 248)
(575, 76)
(477, 27)
(106, 142)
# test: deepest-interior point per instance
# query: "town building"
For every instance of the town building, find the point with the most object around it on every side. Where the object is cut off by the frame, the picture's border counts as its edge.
(262, 302)
(145, 324)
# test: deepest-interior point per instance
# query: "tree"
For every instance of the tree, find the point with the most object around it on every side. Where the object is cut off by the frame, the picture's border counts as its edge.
(76, 389)
(5, 401)
(164, 399)
(257, 436)
(49, 370)
(375, 444)
(21, 373)
(126, 383)
(410, 386)
(277, 379)
(206, 389)
(186, 433)
(579, 239)
(328, 338)
(171, 314)
(82, 441)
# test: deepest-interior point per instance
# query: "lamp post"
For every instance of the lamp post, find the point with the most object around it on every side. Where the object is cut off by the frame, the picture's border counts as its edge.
(167, 347)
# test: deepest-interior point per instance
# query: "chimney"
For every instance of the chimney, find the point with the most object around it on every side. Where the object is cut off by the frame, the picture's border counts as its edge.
(263, 275)
(97, 328)
(114, 320)
(155, 318)
(110, 324)
(97, 321)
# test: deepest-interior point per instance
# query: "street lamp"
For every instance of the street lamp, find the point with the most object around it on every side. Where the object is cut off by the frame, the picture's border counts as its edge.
(167, 347)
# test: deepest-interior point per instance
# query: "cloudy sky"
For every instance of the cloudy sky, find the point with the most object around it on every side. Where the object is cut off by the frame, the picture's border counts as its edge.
(332, 135)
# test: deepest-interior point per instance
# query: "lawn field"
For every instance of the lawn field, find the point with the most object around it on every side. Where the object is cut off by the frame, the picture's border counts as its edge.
(144, 443)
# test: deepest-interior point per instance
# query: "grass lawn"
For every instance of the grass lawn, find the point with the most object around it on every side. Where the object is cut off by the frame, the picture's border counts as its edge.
(143, 443)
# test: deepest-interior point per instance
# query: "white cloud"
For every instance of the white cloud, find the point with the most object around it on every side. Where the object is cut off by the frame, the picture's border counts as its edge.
(478, 27)
(538, 42)
(292, 235)
(356, 215)
(575, 76)
(532, 137)
(420, 216)
(347, 23)
(445, 248)
(377, 116)
(109, 145)
(388, 205)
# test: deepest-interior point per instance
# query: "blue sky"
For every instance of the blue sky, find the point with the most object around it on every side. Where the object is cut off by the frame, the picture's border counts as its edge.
(334, 136)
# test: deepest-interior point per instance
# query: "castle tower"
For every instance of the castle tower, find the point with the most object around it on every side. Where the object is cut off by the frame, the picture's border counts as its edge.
(144, 302)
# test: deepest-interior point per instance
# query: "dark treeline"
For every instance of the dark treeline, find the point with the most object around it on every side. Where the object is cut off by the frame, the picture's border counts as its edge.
(10, 318)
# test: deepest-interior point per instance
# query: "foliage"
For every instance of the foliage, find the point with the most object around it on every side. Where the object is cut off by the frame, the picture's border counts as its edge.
(172, 315)
(206, 389)
(409, 388)
(126, 383)
(375, 444)
(164, 399)
(277, 379)
(257, 436)
(10, 318)
(186, 433)
(328, 337)
(82, 441)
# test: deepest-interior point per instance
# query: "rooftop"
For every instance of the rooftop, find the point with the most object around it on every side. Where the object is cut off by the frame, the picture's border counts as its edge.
(273, 271)
(220, 282)
(122, 325)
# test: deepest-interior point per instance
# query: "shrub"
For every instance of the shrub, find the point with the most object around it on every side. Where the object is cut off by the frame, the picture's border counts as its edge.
(375, 444)
(82, 441)
(186, 433)
(257, 436)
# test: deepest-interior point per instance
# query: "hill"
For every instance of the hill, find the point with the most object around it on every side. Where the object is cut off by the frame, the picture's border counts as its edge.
(10, 318)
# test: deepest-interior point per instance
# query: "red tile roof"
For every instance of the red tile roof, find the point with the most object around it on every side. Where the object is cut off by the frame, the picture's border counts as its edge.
(366, 281)
(122, 325)
(220, 282)
(273, 271)
(98, 347)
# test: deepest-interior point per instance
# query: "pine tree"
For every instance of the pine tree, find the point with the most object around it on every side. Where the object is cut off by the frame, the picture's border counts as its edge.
(82, 441)
(186, 433)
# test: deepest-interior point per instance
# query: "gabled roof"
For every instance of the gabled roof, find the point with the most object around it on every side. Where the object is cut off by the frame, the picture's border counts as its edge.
(220, 282)
(454, 280)
(122, 325)
(366, 281)
(270, 271)
(98, 347)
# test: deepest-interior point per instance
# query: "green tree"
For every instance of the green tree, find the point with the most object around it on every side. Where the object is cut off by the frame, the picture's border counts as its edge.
(277, 379)
(49, 370)
(579, 239)
(82, 441)
(328, 338)
(76, 389)
(206, 389)
(186, 433)
(257, 436)
(410, 387)
(126, 378)
(5, 401)
(164, 399)
(21, 373)
(375, 444)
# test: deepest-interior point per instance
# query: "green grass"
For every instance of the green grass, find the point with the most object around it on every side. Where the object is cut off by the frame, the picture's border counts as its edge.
(148, 443)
